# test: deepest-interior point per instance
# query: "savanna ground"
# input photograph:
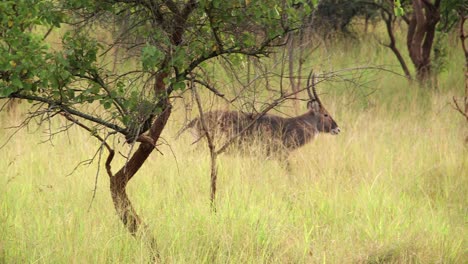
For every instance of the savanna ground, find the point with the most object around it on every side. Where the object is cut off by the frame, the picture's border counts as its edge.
(391, 188)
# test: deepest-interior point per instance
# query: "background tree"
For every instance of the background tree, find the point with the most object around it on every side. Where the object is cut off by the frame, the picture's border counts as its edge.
(420, 36)
(427, 23)
(462, 108)
(338, 15)
(168, 42)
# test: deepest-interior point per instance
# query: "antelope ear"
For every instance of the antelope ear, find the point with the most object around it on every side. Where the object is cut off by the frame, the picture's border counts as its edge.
(313, 105)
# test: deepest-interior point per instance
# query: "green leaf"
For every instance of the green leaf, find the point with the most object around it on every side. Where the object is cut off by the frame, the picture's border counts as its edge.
(179, 86)
(151, 57)
(16, 82)
(398, 9)
(107, 104)
(6, 90)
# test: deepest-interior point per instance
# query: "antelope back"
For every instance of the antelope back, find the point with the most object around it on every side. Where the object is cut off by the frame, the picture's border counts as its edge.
(220, 123)
(275, 132)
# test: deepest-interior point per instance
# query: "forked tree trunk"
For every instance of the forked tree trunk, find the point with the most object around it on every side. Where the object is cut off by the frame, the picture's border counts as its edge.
(420, 37)
(119, 181)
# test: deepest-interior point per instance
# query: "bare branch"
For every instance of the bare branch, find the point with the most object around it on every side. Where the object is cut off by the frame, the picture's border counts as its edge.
(48, 32)
(209, 87)
(67, 109)
(93, 132)
(459, 108)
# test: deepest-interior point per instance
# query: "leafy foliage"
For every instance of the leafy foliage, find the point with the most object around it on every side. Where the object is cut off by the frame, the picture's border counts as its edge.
(337, 15)
(169, 40)
(398, 8)
(24, 57)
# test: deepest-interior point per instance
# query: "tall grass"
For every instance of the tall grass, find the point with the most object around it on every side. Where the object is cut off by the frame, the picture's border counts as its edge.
(391, 188)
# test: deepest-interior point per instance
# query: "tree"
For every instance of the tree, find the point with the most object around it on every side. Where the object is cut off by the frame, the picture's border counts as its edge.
(337, 15)
(169, 42)
(424, 19)
(463, 109)
(420, 36)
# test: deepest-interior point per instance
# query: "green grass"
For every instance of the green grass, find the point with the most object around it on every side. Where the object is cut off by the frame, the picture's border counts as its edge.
(391, 188)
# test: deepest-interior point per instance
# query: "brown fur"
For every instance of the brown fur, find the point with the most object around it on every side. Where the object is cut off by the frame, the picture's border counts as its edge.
(275, 132)
(278, 133)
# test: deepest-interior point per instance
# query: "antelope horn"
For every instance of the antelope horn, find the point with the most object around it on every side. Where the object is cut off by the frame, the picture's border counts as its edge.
(315, 91)
(308, 86)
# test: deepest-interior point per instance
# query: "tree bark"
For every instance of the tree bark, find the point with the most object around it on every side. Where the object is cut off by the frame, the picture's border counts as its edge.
(119, 181)
(420, 36)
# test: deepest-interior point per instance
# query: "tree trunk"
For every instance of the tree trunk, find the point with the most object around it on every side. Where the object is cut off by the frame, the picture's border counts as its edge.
(463, 37)
(420, 36)
(119, 181)
(211, 146)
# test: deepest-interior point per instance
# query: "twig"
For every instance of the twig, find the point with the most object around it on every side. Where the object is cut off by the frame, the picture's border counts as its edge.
(108, 166)
(17, 129)
(93, 133)
(459, 109)
(81, 163)
(101, 148)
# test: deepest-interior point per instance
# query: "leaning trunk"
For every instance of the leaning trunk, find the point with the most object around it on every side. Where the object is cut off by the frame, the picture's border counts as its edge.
(118, 184)
(119, 181)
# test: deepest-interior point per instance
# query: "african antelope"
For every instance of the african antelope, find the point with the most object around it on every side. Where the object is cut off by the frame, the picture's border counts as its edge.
(277, 133)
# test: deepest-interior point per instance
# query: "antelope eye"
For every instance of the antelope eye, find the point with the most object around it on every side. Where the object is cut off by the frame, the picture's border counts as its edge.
(326, 115)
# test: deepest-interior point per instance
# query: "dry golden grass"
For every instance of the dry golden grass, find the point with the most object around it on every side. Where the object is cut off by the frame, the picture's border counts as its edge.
(391, 188)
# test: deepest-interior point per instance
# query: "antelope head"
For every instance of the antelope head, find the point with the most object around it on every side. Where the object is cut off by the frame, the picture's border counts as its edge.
(325, 122)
